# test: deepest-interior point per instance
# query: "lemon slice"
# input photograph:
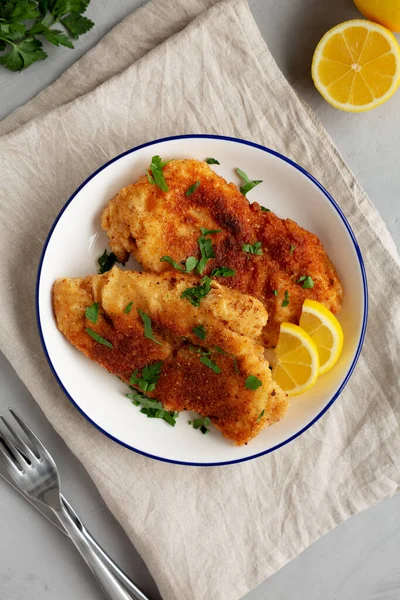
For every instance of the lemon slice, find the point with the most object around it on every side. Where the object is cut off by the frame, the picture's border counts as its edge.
(325, 330)
(356, 65)
(297, 360)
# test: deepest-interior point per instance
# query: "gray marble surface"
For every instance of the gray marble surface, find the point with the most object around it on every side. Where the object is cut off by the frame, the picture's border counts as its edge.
(360, 559)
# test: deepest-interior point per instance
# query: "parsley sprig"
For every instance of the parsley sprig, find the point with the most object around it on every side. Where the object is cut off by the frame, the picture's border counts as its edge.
(248, 183)
(23, 22)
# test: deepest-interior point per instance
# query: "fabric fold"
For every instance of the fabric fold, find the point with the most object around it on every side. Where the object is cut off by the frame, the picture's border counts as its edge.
(200, 67)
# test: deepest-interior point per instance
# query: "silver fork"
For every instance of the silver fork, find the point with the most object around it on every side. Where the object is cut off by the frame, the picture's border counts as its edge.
(34, 472)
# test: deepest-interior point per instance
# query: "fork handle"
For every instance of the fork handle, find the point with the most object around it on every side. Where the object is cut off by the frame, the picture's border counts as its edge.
(137, 594)
(108, 582)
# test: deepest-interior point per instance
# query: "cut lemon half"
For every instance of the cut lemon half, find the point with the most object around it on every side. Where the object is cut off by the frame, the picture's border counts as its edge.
(297, 360)
(325, 330)
(356, 65)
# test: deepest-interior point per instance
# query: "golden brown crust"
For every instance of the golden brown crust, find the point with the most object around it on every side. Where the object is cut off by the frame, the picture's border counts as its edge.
(185, 382)
(149, 223)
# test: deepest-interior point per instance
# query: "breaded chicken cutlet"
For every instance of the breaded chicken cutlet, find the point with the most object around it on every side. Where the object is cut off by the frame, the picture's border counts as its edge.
(150, 223)
(205, 375)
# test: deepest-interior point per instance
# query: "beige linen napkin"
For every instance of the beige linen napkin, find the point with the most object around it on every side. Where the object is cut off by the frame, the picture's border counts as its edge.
(205, 533)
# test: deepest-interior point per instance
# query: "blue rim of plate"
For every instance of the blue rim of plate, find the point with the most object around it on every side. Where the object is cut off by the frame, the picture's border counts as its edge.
(349, 230)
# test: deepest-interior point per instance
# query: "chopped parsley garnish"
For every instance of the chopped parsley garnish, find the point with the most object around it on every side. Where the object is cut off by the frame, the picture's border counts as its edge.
(292, 247)
(196, 294)
(206, 249)
(286, 300)
(223, 272)
(252, 383)
(275, 292)
(156, 168)
(249, 184)
(210, 364)
(205, 231)
(265, 209)
(204, 358)
(200, 331)
(148, 331)
(202, 423)
(128, 308)
(192, 188)
(107, 261)
(255, 249)
(191, 263)
(212, 161)
(308, 282)
(98, 338)
(153, 409)
(148, 379)
(260, 416)
(172, 262)
(92, 312)
(235, 364)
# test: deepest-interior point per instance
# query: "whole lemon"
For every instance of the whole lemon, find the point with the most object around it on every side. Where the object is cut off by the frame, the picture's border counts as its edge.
(385, 12)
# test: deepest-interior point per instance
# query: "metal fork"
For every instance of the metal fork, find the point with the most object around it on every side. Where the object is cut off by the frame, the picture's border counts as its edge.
(34, 472)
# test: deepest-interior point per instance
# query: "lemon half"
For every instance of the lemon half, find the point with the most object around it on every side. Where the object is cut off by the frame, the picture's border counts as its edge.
(356, 65)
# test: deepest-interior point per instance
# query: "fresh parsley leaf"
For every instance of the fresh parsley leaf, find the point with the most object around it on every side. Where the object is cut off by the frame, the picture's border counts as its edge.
(200, 331)
(212, 161)
(260, 416)
(223, 272)
(153, 409)
(128, 308)
(172, 262)
(196, 294)
(210, 364)
(252, 383)
(292, 247)
(265, 209)
(76, 25)
(191, 263)
(148, 331)
(156, 168)
(202, 423)
(149, 378)
(255, 249)
(150, 178)
(275, 292)
(249, 184)
(286, 300)
(192, 188)
(307, 280)
(23, 54)
(92, 312)
(98, 338)
(107, 261)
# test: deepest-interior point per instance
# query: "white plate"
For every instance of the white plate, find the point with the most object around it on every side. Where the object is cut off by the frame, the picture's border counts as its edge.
(289, 191)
